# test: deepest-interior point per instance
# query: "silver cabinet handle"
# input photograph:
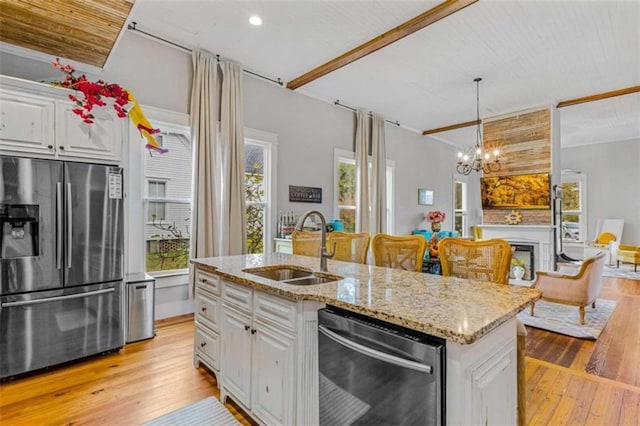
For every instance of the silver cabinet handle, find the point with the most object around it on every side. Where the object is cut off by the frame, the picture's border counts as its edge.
(56, 298)
(69, 225)
(423, 368)
(59, 225)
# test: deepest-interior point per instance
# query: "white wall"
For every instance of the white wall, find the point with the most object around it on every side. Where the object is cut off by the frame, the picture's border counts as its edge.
(613, 183)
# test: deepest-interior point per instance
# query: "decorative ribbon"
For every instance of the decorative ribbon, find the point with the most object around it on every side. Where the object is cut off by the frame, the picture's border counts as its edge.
(144, 126)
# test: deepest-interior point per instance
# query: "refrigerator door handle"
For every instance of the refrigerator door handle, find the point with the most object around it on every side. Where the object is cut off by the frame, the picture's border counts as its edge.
(69, 225)
(52, 299)
(59, 225)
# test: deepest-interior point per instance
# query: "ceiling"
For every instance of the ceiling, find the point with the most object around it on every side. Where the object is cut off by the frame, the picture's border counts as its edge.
(529, 54)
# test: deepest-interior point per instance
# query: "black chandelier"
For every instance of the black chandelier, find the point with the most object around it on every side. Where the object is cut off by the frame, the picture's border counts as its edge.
(476, 158)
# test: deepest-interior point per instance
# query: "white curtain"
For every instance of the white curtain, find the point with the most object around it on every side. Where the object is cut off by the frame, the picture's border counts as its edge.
(378, 176)
(362, 171)
(232, 134)
(218, 212)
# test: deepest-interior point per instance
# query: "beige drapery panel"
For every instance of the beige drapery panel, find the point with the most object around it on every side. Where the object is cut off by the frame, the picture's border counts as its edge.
(378, 177)
(218, 214)
(362, 171)
(234, 238)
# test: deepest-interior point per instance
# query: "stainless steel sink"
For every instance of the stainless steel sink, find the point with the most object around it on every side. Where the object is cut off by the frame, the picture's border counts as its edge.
(279, 274)
(314, 279)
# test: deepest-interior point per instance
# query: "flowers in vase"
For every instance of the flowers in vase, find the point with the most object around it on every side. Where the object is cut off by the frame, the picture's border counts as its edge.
(435, 216)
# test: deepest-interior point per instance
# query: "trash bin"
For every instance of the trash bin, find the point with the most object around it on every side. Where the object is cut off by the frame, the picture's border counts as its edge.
(140, 307)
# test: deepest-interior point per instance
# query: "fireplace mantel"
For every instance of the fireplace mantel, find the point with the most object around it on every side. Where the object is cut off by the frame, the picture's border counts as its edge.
(539, 235)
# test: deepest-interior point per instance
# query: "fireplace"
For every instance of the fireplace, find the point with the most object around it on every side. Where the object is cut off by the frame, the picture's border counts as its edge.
(523, 255)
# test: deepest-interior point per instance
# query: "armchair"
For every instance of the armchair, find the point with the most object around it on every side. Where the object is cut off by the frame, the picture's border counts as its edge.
(607, 240)
(579, 289)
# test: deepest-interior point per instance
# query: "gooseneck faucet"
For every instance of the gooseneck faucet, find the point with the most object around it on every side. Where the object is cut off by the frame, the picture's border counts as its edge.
(324, 255)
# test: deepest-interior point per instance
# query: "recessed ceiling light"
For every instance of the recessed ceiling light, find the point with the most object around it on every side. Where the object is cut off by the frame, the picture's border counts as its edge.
(255, 20)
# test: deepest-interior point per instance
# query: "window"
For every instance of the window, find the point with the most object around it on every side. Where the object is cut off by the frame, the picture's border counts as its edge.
(574, 219)
(258, 181)
(345, 190)
(460, 207)
(155, 210)
(168, 204)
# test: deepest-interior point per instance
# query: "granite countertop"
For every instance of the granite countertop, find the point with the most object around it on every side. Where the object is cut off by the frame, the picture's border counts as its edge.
(455, 309)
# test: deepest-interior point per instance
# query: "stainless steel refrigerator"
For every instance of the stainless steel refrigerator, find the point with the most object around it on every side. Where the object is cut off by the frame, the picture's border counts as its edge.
(61, 255)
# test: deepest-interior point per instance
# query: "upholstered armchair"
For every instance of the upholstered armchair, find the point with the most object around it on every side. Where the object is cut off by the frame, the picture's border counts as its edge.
(566, 286)
(607, 240)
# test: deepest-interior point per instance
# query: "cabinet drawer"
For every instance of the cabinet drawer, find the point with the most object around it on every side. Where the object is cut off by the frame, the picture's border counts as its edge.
(275, 310)
(208, 282)
(207, 345)
(237, 295)
(208, 310)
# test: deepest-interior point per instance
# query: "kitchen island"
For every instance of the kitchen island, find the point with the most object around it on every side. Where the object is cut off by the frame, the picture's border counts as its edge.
(259, 336)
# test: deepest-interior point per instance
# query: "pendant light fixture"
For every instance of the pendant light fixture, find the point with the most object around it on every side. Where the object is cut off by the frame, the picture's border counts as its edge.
(476, 158)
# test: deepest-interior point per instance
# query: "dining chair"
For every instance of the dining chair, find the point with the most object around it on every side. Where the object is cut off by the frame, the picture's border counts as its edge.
(399, 252)
(349, 247)
(486, 260)
(306, 243)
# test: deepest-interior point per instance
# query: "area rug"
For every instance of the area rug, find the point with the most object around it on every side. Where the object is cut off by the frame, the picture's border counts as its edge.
(208, 411)
(565, 319)
(625, 271)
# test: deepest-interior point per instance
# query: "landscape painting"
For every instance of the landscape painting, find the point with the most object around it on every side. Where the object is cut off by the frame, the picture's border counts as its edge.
(530, 191)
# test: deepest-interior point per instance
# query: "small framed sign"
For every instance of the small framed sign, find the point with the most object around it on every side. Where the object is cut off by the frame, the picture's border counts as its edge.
(305, 194)
(425, 197)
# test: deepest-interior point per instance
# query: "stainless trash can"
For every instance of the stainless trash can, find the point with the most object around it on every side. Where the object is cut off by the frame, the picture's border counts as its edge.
(140, 307)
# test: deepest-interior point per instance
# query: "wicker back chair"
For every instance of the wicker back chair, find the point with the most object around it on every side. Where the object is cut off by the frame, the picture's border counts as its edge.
(306, 243)
(349, 247)
(487, 260)
(399, 252)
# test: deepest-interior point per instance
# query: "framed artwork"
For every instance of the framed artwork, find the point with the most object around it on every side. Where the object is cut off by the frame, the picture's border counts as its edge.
(425, 197)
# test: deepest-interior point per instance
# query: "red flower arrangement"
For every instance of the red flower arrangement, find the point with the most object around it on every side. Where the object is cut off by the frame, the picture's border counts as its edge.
(435, 216)
(93, 93)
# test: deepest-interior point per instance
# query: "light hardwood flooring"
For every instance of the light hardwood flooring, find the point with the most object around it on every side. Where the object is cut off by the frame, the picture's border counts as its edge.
(569, 381)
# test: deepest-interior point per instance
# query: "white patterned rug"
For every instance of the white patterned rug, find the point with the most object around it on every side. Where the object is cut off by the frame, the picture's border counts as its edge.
(625, 271)
(565, 319)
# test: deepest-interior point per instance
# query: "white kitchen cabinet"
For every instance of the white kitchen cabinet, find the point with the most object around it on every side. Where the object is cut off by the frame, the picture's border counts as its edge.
(258, 353)
(100, 140)
(26, 123)
(207, 321)
(36, 120)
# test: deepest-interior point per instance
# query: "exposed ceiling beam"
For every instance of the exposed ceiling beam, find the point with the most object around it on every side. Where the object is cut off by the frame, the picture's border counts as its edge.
(451, 127)
(599, 96)
(411, 26)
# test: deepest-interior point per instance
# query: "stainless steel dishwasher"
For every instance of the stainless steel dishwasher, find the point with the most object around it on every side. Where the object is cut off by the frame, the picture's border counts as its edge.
(140, 307)
(376, 373)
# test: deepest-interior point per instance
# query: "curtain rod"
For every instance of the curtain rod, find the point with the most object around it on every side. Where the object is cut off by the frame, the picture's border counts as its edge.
(337, 102)
(133, 27)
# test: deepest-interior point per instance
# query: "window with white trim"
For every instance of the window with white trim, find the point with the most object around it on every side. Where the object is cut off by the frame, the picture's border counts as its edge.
(460, 210)
(345, 189)
(168, 204)
(574, 220)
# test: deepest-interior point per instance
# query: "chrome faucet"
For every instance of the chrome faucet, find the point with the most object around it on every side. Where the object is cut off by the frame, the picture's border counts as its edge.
(324, 255)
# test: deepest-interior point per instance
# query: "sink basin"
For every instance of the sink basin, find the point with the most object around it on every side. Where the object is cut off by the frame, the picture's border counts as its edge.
(313, 279)
(279, 274)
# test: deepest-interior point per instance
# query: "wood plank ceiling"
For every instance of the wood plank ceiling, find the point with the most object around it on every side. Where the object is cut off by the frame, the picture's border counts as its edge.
(81, 30)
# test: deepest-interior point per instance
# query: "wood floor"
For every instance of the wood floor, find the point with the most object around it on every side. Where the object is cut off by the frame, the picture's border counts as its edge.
(569, 381)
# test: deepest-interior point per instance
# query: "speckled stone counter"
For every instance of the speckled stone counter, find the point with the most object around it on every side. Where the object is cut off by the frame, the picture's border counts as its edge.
(452, 308)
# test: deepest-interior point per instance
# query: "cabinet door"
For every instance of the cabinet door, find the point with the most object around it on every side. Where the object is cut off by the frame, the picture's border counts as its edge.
(101, 140)
(208, 310)
(272, 376)
(26, 123)
(236, 354)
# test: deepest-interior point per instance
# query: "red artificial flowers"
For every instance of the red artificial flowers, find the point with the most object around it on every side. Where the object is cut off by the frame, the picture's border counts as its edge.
(435, 216)
(93, 93)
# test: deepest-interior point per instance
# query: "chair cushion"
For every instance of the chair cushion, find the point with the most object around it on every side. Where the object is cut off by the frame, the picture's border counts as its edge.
(606, 238)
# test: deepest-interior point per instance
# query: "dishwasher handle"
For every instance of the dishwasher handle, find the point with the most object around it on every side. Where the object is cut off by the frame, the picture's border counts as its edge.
(382, 356)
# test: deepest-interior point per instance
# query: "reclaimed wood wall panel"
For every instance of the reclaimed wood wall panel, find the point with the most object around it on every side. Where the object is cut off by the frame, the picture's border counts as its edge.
(525, 140)
(81, 30)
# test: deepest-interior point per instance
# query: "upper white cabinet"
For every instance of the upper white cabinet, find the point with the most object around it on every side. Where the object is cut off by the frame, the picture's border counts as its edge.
(37, 120)
(26, 122)
(100, 140)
